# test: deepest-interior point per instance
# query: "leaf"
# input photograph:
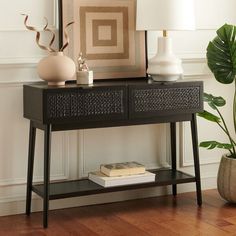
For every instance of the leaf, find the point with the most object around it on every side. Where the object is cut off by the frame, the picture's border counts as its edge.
(221, 54)
(212, 105)
(207, 97)
(214, 144)
(219, 101)
(209, 116)
(214, 101)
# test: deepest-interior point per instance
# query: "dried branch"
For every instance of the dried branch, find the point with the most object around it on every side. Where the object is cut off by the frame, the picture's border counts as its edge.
(66, 37)
(49, 48)
(53, 35)
(38, 34)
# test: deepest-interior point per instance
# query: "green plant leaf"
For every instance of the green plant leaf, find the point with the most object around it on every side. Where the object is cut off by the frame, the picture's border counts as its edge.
(214, 144)
(207, 97)
(219, 101)
(214, 101)
(209, 116)
(221, 54)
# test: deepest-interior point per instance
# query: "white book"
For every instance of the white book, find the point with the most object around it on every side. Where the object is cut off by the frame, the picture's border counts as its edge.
(106, 181)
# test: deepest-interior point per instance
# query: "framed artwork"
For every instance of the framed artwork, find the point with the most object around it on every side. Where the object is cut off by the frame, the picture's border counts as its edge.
(104, 32)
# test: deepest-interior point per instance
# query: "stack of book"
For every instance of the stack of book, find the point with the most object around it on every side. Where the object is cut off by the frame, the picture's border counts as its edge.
(118, 174)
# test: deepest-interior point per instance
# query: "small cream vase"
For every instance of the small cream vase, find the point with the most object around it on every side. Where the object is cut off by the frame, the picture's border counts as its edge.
(56, 69)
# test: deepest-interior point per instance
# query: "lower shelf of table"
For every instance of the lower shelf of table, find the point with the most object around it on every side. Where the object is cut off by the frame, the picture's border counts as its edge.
(84, 187)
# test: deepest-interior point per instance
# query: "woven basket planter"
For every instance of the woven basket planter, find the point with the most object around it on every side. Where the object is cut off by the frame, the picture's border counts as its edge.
(226, 179)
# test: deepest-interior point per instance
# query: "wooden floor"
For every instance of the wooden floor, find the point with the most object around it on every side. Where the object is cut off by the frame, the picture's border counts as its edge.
(164, 216)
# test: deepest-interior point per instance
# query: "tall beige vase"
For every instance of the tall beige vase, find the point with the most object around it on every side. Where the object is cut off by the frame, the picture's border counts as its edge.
(56, 69)
(226, 179)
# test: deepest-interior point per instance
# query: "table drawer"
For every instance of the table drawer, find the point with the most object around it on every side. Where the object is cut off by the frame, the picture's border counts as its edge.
(157, 100)
(75, 104)
(93, 104)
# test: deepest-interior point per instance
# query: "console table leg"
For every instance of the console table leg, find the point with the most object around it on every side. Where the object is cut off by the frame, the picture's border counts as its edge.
(196, 158)
(173, 153)
(47, 157)
(31, 151)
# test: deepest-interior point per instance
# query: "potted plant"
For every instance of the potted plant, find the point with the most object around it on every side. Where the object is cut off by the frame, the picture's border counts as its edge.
(221, 58)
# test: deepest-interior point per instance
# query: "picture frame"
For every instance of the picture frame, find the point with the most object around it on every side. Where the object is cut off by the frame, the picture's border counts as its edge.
(104, 31)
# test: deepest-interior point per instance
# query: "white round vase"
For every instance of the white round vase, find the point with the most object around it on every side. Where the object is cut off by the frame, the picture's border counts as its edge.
(56, 69)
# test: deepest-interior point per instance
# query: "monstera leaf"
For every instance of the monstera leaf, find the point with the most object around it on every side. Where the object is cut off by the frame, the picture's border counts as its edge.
(221, 54)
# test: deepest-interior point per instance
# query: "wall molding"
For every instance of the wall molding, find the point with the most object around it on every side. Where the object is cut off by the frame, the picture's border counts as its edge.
(193, 60)
(64, 175)
(31, 62)
(23, 67)
(194, 65)
(187, 58)
(23, 29)
(18, 83)
(164, 159)
(186, 160)
(194, 68)
(53, 26)
(81, 156)
(20, 62)
(22, 181)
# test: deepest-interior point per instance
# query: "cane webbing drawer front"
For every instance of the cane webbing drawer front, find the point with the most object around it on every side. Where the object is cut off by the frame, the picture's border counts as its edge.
(155, 100)
(87, 104)
(64, 105)
(113, 103)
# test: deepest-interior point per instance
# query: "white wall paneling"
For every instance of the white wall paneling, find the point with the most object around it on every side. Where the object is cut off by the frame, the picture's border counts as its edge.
(14, 146)
(17, 74)
(14, 143)
(186, 156)
(17, 44)
(146, 144)
(22, 51)
(74, 153)
(211, 14)
(12, 20)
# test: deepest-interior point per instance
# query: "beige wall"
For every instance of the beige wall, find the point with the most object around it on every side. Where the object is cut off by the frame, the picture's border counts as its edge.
(74, 154)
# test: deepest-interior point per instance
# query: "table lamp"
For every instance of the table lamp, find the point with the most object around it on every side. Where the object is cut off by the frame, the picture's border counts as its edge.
(165, 15)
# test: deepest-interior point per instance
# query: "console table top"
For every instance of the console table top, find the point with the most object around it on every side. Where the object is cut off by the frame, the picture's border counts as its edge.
(116, 82)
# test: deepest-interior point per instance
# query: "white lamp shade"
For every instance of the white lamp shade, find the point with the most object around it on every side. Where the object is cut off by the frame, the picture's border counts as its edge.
(165, 15)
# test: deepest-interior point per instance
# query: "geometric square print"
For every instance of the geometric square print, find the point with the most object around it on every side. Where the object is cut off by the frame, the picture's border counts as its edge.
(104, 31)
(102, 22)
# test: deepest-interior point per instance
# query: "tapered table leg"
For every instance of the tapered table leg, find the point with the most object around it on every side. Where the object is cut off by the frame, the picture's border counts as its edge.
(31, 151)
(47, 157)
(196, 158)
(173, 153)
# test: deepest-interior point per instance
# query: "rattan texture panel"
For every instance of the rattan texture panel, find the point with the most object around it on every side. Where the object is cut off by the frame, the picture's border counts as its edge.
(157, 99)
(103, 103)
(84, 104)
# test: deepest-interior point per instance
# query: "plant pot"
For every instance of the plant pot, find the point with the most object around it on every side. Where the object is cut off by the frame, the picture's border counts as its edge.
(56, 69)
(226, 179)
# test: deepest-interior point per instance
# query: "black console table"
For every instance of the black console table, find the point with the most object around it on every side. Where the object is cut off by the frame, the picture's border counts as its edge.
(109, 104)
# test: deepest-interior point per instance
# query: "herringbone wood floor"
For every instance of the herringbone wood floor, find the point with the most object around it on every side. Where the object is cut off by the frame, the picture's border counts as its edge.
(162, 216)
